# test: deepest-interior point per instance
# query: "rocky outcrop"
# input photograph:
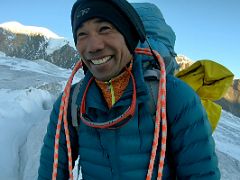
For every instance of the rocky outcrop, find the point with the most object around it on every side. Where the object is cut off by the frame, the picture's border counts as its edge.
(65, 57)
(231, 101)
(183, 61)
(36, 46)
(22, 46)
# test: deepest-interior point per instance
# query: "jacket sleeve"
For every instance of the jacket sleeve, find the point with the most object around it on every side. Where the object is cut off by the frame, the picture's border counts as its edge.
(47, 152)
(189, 134)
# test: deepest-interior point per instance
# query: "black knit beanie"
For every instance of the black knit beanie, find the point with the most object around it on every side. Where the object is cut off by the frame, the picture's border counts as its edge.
(118, 12)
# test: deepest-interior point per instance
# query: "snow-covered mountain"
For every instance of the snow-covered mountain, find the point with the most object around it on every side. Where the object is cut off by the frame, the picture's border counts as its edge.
(18, 28)
(30, 42)
(183, 61)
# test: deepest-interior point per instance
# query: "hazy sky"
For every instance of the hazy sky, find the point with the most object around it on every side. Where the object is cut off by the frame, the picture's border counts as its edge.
(205, 29)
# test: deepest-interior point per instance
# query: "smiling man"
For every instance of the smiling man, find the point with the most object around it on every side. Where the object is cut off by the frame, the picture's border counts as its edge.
(117, 134)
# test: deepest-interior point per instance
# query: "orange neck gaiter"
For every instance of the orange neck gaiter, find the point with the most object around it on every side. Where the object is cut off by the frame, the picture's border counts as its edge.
(113, 89)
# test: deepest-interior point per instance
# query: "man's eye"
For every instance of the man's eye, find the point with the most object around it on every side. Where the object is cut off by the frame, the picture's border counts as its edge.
(81, 34)
(105, 29)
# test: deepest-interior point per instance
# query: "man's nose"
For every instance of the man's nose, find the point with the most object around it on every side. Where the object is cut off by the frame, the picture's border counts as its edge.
(95, 44)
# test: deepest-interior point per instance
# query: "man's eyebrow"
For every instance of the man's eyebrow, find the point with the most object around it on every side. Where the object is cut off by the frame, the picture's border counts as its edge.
(98, 20)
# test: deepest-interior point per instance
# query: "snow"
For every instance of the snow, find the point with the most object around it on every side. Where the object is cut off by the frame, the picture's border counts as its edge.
(39, 66)
(55, 44)
(227, 136)
(18, 28)
(2, 54)
(20, 110)
(27, 93)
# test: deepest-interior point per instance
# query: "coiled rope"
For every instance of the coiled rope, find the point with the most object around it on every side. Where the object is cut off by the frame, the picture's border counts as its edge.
(160, 115)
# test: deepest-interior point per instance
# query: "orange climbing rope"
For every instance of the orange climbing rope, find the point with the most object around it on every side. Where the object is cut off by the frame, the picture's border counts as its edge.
(160, 115)
(63, 115)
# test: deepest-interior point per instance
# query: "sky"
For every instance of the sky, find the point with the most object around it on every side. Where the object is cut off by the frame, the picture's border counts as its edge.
(206, 29)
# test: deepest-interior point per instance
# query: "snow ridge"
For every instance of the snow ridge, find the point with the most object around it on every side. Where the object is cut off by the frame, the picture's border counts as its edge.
(17, 27)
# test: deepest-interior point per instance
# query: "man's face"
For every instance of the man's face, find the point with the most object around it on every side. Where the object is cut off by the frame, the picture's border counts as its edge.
(102, 48)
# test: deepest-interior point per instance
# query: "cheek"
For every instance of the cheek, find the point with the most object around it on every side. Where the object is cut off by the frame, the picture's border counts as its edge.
(80, 47)
(80, 51)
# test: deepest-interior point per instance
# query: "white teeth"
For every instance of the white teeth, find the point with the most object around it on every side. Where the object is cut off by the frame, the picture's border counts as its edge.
(101, 61)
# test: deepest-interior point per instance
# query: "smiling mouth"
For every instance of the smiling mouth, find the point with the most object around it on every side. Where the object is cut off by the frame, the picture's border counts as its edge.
(101, 61)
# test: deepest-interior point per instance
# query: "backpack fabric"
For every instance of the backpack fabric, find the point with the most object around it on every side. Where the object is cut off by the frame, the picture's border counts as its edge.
(159, 34)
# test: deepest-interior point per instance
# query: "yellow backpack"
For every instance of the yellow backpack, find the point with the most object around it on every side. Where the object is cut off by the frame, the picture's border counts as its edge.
(211, 81)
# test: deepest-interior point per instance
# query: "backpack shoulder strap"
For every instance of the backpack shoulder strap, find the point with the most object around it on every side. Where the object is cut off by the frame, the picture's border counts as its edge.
(152, 76)
(74, 107)
(153, 90)
(74, 113)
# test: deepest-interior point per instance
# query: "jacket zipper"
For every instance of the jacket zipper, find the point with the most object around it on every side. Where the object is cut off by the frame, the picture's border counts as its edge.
(111, 90)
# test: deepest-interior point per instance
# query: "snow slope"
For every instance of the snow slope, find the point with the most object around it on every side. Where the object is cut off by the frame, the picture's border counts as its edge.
(27, 92)
(227, 139)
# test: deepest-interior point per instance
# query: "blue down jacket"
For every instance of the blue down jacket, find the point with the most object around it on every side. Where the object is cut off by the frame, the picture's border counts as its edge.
(124, 153)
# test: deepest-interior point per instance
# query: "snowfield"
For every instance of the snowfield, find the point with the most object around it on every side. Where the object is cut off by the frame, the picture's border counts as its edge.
(27, 92)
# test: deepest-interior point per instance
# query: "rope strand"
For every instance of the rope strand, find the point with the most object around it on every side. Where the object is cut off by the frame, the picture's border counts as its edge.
(160, 114)
(63, 115)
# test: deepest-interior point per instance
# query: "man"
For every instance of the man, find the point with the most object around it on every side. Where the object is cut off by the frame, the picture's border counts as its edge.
(115, 136)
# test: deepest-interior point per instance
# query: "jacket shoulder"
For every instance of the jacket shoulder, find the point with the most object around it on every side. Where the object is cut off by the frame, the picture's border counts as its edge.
(189, 133)
(179, 93)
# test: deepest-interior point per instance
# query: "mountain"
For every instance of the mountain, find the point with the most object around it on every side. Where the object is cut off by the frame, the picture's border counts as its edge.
(32, 43)
(231, 101)
(183, 61)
